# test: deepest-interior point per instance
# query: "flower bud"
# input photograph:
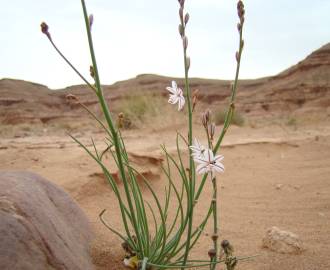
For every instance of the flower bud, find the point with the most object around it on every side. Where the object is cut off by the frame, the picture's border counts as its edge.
(239, 27)
(188, 63)
(44, 29)
(181, 13)
(185, 42)
(225, 244)
(212, 131)
(181, 30)
(237, 56)
(186, 18)
(212, 253)
(195, 96)
(91, 20)
(91, 71)
(242, 44)
(206, 118)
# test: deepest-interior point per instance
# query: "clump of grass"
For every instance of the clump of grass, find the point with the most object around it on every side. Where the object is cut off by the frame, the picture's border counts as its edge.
(169, 243)
(221, 114)
(134, 110)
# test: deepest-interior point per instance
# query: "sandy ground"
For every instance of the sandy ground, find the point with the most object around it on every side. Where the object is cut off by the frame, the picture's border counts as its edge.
(258, 161)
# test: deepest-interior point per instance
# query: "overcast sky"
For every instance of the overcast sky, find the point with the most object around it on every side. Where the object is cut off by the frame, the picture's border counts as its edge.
(140, 36)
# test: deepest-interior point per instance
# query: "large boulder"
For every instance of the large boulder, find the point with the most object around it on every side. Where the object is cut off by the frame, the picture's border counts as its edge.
(41, 227)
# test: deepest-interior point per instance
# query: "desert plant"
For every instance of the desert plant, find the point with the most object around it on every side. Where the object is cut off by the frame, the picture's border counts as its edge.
(169, 244)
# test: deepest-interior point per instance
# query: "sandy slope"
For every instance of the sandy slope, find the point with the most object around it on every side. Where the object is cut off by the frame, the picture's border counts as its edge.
(256, 161)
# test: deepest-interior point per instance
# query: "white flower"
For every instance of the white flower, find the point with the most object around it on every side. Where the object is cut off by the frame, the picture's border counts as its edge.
(209, 163)
(198, 150)
(176, 95)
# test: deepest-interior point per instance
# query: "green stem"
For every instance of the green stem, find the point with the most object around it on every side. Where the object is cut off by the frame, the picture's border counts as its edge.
(191, 194)
(72, 66)
(112, 128)
(215, 219)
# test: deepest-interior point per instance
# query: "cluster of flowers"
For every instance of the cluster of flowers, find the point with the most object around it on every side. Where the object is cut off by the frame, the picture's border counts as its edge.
(207, 161)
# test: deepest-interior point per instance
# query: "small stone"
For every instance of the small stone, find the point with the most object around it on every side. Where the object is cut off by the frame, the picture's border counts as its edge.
(282, 241)
(279, 186)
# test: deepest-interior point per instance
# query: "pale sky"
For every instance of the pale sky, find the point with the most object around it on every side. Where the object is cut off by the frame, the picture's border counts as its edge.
(140, 36)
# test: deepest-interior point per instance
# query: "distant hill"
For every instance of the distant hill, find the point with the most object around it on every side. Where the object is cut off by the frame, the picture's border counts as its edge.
(302, 88)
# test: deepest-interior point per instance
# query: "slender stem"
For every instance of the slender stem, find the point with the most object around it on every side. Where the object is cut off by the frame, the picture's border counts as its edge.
(71, 65)
(191, 193)
(112, 128)
(215, 219)
(233, 92)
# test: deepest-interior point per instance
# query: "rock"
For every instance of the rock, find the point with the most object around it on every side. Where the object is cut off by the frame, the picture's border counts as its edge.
(279, 186)
(41, 227)
(282, 241)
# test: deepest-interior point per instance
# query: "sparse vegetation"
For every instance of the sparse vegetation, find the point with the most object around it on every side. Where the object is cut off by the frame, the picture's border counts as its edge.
(220, 117)
(140, 107)
(292, 121)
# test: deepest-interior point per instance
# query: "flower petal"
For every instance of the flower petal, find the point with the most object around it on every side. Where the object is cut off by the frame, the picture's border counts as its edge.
(174, 85)
(173, 99)
(201, 169)
(181, 103)
(170, 89)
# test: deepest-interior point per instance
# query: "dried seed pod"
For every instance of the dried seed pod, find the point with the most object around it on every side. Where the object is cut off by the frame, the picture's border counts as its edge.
(214, 237)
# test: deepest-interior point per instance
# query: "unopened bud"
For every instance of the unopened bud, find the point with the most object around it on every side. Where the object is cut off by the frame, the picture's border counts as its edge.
(227, 247)
(240, 9)
(188, 62)
(181, 13)
(242, 43)
(206, 118)
(239, 27)
(195, 97)
(185, 42)
(212, 253)
(91, 71)
(44, 29)
(91, 20)
(186, 18)
(212, 131)
(181, 30)
(181, 2)
(237, 56)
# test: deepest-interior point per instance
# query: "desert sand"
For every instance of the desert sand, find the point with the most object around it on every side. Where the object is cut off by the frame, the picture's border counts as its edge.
(277, 163)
